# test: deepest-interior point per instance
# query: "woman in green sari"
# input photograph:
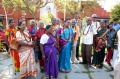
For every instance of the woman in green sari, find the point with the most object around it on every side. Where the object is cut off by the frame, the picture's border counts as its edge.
(99, 46)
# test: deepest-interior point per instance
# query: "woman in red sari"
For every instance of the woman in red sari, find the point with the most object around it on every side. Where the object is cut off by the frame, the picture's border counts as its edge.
(38, 34)
(10, 34)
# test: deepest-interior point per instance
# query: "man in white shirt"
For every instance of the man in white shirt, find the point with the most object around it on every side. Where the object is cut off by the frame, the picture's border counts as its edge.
(78, 23)
(87, 41)
(95, 22)
(117, 61)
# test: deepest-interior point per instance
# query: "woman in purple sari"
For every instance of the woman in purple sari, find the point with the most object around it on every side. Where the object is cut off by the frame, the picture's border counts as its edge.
(49, 53)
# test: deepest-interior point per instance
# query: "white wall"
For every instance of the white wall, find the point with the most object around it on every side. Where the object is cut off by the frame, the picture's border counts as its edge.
(43, 10)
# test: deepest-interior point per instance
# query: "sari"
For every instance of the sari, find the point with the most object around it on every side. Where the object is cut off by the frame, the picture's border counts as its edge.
(50, 52)
(10, 33)
(38, 35)
(65, 44)
(99, 47)
(26, 54)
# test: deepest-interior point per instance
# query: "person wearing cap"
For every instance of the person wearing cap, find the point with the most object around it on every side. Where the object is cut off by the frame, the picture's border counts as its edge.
(117, 61)
(95, 22)
(116, 25)
(87, 42)
(79, 24)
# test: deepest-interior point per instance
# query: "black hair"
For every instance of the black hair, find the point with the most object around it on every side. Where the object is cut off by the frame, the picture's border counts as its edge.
(47, 27)
(11, 20)
(52, 19)
(66, 20)
(19, 24)
(115, 19)
(75, 13)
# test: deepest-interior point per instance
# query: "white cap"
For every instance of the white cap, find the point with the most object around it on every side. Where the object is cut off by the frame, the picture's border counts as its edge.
(94, 15)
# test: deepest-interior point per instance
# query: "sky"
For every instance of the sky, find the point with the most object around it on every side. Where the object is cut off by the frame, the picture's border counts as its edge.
(108, 4)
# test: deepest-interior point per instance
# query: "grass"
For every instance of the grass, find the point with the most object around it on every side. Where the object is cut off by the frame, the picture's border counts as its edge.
(77, 72)
(42, 77)
(88, 72)
(112, 76)
(66, 77)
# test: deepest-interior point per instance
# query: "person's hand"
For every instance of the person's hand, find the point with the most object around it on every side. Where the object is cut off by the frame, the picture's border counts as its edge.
(43, 57)
(30, 44)
(112, 49)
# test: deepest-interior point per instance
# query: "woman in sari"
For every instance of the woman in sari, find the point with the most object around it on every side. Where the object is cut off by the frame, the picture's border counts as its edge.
(49, 53)
(99, 46)
(38, 34)
(10, 34)
(64, 38)
(26, 53)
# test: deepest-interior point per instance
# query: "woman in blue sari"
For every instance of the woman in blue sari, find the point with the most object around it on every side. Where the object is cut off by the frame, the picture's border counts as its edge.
(64, 38)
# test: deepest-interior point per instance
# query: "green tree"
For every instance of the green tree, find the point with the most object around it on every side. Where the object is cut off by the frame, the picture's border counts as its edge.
(115, 12)
(47, 18)
(82, 7)
(29, 6)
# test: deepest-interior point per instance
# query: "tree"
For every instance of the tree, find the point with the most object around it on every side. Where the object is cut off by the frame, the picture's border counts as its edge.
(115, 12)
(29, 6)
(47, 18)
(82, 7)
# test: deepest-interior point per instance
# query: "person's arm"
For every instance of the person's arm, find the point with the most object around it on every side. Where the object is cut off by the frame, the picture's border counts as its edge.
(58, 39)
(41, 47)
(113, 40)
(6, 39)
(22, 43)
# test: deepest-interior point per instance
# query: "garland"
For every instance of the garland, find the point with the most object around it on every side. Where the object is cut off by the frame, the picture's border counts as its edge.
(68, 33)
(87, 31)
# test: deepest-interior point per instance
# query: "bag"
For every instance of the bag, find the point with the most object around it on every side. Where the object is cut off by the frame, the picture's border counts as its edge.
(14, 44)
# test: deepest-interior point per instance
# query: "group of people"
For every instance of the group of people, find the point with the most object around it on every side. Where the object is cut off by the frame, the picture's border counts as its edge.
(56, 46)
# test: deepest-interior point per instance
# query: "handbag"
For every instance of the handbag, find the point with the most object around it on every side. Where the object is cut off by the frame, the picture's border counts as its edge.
(14, 44)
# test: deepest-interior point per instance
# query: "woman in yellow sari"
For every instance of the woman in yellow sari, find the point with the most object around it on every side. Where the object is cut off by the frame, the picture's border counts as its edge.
(26, 53)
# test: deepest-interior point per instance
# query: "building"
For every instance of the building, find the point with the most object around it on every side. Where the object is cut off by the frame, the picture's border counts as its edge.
(16, 15)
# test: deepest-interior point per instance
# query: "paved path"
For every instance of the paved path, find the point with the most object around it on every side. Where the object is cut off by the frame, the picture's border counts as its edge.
(78, 71)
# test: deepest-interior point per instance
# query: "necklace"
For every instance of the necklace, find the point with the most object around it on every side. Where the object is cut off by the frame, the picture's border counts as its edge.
(87, 31)
(25, 37)
(68, 34)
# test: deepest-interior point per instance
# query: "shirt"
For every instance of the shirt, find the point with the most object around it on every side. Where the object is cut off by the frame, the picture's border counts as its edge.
(79, 24)
(118, 34)
(96, 25)
(76, 29)
(110, 36)
(116, 26)
(88, 32)
(44, 39)
(39, 33)
(114, 41)
(11, 33)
